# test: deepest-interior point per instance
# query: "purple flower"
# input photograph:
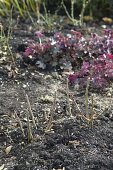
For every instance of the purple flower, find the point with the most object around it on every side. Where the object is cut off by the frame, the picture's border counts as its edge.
(85, 67)
(72, 78)
(28, 51)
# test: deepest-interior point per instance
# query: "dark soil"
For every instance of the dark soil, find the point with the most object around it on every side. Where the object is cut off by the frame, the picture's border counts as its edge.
(71, 143)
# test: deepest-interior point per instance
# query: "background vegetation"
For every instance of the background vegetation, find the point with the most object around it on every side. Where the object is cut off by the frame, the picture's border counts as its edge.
(93, 8)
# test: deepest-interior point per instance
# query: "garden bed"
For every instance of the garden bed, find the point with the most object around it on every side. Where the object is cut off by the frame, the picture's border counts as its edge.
(68, 142)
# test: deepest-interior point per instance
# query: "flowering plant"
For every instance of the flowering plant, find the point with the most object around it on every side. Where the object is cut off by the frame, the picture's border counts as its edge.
(92, 54)
(99, 71)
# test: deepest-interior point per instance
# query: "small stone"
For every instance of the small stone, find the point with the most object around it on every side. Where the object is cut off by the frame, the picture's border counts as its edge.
(32, 74)
(24, 85)
(104, 26)
(110, 89)
(109, 95)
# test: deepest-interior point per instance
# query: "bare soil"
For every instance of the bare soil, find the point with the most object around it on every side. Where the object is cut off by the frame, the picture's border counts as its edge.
(70, 143)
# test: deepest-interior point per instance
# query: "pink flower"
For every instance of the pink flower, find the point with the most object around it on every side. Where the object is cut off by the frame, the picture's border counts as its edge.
(39, 34)
(109, 56)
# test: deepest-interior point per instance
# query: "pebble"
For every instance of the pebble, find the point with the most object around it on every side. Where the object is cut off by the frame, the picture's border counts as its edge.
(108, 94)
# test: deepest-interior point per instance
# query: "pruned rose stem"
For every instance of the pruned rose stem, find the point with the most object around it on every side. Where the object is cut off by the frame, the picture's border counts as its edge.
(20, 124)
(29, 130)
(30, 111)
(52, 111)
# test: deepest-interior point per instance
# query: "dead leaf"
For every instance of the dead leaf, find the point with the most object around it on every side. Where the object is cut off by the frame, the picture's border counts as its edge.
(75, 142)
(12, 73)
(107, 20)
(59, 169)
(2, 60)
(88, 18)
(8, 149)
(8, 67)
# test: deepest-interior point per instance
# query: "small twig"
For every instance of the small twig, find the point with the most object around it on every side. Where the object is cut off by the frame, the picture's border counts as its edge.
(20, 123)
(30, 111)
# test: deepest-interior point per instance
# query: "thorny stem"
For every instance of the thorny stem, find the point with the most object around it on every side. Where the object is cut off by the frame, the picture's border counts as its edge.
(90, 118)
(68, 98)
(86, 97)
(30, 111)
(30, 136)
(1, 31)
(92, 111)
(52, 111)
(78, 108)
(20, 123)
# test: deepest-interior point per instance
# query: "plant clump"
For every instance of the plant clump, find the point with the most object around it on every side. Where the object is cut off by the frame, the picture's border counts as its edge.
(89, 57)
